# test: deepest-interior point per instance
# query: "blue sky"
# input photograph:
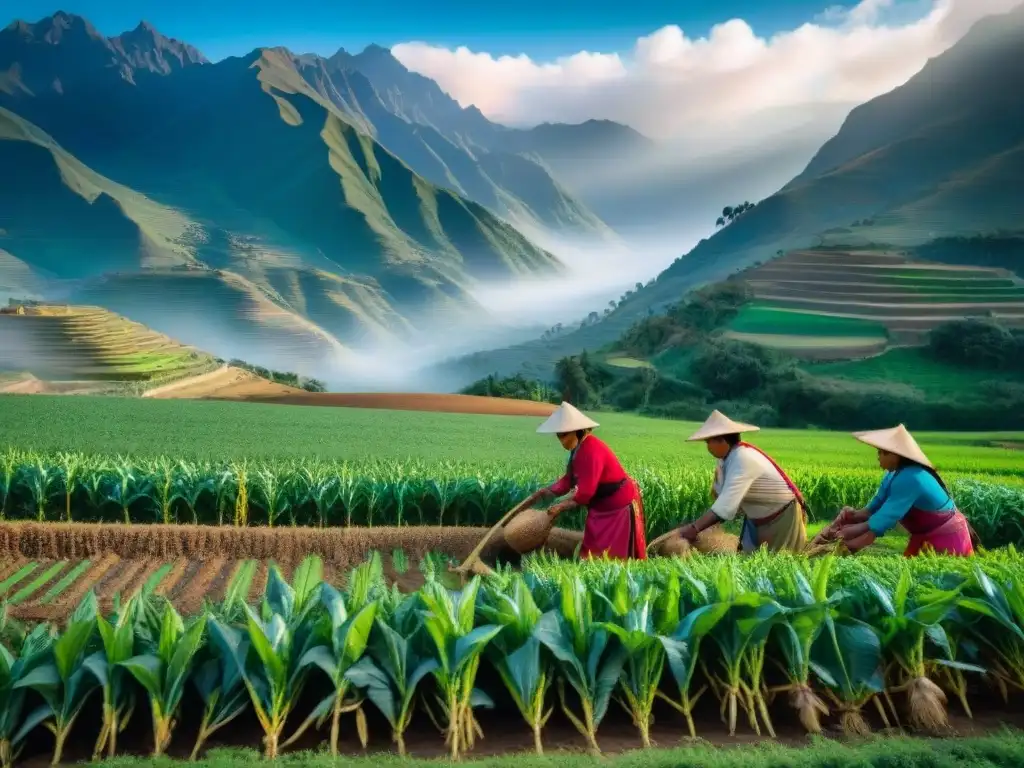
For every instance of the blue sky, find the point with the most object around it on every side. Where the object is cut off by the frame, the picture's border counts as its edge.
(542, 29)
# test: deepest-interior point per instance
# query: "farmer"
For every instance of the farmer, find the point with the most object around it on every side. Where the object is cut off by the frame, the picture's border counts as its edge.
(615, 517)
(912, 494)
(747, 480)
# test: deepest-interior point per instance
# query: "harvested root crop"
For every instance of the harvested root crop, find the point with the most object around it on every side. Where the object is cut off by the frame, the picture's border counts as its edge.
(927, 706)
(528, 530)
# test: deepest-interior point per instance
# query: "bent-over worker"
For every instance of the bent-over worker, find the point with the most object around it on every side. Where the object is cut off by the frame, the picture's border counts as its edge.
(749, 481)
(912, 494)
(615, 518)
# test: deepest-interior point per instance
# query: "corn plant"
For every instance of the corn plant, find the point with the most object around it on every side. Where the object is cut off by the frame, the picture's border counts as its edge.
(15, 724)
(391, 673)
(905, 622)
(279, 638)
(117, 637)
(164, 669)
(348, 637)
(631, 605)
(806, 602)
(1000, 605)
(742, 641)
(458, 648)
(517, 654)
(63, 680)
(586, 657)
(218, 680)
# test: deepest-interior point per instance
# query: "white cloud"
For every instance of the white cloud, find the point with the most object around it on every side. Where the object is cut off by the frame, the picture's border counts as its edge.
(672, 85)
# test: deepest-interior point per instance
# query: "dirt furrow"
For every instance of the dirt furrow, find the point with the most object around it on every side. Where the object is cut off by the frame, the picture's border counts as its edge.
(11, 567)
(191, 570)
(126, 576)
(203, 584)
(259, 582)
(171, 579)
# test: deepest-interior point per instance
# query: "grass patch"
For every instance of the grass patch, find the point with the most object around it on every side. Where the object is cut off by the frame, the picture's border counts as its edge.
(999, 749)
(16, 578)
(912, 366)
(29, 589)
(765, 319)
(66, 581)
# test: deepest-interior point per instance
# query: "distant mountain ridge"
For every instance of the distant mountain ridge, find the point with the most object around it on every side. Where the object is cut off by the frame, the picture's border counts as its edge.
(230, 199)
(939, 157)
(57, 52)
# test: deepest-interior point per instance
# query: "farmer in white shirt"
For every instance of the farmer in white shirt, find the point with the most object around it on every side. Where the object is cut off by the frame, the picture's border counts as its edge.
(748, 481)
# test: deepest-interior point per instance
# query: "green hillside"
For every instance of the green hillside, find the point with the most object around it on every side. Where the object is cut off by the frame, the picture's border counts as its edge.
(509, 184)
(264, 214)
(724, 347)
(80, 343)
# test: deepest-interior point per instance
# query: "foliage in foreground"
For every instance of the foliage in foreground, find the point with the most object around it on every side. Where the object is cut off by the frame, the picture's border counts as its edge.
(92, 488)
(1002, 749)
(835, 636)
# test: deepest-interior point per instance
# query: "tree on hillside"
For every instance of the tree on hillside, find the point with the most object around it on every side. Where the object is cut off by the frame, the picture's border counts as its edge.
(732, 212)
(572, 381)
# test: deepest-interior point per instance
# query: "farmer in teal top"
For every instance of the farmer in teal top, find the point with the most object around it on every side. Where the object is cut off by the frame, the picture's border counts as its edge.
(912, 494)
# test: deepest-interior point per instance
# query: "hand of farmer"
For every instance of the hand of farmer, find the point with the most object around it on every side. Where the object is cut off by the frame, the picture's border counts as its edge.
(847, 515)
(556, 509)
(857, 536)
(689, 532)
(857, 542)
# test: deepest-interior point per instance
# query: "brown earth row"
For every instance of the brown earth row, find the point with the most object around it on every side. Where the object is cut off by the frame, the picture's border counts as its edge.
(10, 567)
(345, 547)
(122, 579)
(170, 581)
(399, 401)
(190, 599)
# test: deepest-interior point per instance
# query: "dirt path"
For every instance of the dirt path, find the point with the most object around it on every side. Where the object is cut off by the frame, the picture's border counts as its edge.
(410, 401)
(227, 382)
(27, 385)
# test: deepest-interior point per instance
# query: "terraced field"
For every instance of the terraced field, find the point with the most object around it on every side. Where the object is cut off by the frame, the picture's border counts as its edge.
(831, 304)
(91, 344)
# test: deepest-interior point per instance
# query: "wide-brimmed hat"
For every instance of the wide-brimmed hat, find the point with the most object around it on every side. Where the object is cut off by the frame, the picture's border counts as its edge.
(895, 440)
(719, 424)
(566, 418)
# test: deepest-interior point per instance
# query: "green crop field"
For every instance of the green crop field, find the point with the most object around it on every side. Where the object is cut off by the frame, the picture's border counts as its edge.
(124, 460)
(913, 367)
(606, 644)
(765, 319)
(224, 431)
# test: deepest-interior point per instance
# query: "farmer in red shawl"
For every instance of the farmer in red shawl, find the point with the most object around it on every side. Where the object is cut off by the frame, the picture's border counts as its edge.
(747, 480)
(912, 494)
(597, 481)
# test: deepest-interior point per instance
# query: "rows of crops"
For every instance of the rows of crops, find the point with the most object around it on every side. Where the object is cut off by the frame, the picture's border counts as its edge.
(886, 639)
(89, 488)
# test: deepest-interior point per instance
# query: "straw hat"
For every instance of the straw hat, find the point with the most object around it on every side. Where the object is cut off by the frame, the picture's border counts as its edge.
(719, 424)
(565, 419)
(896, 440)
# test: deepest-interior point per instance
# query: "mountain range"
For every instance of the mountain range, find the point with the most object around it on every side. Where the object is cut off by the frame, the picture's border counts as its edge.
(939, 157)
(279, 205)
